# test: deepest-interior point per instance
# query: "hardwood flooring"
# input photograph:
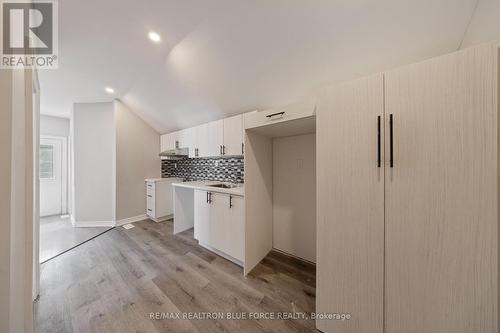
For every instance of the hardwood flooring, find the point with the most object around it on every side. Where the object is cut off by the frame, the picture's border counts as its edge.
(115, 282)
(57, 235)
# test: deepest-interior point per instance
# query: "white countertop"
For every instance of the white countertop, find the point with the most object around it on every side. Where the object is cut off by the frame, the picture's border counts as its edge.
(176, 179)
(204, 185)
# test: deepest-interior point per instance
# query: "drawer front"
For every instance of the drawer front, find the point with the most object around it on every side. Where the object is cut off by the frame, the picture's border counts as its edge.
(150, 186)
(150, 202)
(151, 212)
(150, 194)
(291, 112)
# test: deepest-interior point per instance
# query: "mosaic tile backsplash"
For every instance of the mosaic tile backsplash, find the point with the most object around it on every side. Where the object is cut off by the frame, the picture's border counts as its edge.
(225, 169)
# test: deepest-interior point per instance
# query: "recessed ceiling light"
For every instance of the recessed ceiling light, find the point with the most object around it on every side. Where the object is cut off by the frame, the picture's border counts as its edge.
(155, 37)
(109, 90)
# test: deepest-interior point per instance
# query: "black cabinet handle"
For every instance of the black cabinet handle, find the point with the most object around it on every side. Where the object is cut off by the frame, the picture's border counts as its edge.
(242, 148)
(220, 149)
(207, 197)
(223, 150)
(150, 210)
(230, 201)
(276, 114)
(150, 196)
(391, 141)
(379, 153)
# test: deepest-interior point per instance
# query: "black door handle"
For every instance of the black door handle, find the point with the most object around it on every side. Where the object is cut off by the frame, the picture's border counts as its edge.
(276, 114)
(230, 201)
(379, 153)
(391, 141)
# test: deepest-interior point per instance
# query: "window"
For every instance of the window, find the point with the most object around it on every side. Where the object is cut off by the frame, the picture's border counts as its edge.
(46, 162)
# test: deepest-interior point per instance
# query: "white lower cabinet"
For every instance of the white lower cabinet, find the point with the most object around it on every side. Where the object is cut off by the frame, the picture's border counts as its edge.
(201, 216)
(159, 198)
(219, 222)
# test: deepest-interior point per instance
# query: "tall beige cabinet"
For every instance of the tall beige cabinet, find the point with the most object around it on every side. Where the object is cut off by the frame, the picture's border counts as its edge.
(411, 246)
(350, 201)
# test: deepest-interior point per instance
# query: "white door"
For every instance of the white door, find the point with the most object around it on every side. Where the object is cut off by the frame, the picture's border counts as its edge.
(53, 176)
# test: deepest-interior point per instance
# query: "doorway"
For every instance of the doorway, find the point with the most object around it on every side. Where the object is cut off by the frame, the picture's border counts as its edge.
(53, 170)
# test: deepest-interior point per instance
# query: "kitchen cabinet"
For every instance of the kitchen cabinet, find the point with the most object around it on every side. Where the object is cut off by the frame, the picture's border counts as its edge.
(277, 115)
(219, 222)
(209, 139)
(159, 198)
(217, 138)
(169, 141)
(233, 135)
(228, 223)
(408, 198)
(202, 216)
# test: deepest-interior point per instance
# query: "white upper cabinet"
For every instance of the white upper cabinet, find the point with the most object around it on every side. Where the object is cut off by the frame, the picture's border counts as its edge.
(168, 141)
(217, 138)
(209, 139)
(278, 115)
(185, 138)
(233, 135)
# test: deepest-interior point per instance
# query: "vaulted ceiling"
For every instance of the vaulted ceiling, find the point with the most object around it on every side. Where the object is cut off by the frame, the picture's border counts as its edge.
(222, 57)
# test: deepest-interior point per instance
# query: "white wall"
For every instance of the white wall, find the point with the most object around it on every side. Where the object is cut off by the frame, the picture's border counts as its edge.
(54, 126)
(16, 201)
(94, 169)
(137, 149)
(294, 195)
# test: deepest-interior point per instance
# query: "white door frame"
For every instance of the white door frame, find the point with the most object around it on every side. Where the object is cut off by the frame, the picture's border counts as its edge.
(36, 186)
(64, 170)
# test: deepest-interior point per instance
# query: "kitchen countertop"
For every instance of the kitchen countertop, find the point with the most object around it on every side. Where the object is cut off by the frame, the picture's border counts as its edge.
(204, 185)
(162, 179)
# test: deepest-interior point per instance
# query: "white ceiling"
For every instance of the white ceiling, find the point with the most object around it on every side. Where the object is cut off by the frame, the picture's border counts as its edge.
(221, 57)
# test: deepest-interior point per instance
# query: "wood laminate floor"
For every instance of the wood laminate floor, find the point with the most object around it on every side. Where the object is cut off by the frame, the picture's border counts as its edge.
(116, 281)
(57, 235)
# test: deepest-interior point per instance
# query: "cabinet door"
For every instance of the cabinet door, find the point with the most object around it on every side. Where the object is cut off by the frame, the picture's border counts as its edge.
(233, 135)
(350, 207)
(185, 138)
(227, 218)
(201, 142)
(164, 142)
(441, 208)
(167, 141)
(202, 217)
(215, 138)
(236, 225)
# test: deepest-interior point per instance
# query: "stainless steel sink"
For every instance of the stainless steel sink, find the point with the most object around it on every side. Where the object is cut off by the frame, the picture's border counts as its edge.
(224, 185)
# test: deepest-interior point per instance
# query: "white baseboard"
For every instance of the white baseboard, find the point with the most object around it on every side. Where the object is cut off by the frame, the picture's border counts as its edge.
(92, 224)
(109, 224)
(131, 220)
